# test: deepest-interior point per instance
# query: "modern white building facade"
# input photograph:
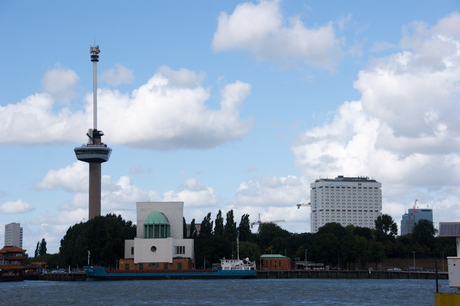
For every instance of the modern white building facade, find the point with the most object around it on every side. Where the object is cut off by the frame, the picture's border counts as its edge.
(159, 237)
(345, 200)
(13, 234)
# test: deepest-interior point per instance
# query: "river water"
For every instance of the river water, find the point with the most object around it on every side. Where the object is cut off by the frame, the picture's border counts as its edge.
(225, 292)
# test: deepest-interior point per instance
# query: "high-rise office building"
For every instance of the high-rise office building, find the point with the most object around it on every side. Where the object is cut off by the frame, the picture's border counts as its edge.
(345, 200)
(13, 234)
(414, 215)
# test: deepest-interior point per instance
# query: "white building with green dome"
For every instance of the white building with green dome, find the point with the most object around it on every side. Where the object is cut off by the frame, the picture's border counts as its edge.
(159, 241)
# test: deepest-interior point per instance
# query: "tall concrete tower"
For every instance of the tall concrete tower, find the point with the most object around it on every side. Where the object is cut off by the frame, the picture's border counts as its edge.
(95, 152)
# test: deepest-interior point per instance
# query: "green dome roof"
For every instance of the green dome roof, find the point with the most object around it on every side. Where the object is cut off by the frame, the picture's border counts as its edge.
(156, 218)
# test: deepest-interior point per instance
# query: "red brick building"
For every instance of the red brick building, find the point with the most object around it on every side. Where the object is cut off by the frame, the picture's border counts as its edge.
(274, 262)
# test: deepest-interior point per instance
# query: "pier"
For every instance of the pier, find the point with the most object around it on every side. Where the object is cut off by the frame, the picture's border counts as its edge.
(261, 274)
(350, 274)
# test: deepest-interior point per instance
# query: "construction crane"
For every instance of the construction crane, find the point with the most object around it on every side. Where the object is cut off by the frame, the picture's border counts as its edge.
(303, 204)
(412, 217)
(260, 222)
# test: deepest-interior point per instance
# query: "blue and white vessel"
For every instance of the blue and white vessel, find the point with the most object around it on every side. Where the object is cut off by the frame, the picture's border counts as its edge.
(229, 269)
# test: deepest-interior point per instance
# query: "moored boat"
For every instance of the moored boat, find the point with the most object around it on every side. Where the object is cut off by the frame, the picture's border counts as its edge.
(229, 269)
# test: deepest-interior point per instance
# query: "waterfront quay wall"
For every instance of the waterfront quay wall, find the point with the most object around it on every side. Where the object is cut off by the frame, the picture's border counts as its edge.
(324, 274)
(68, 277)
(350, 274)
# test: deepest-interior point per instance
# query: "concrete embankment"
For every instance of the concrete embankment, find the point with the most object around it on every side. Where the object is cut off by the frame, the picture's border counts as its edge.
(341, 274)
(349, 274)
(68, 277)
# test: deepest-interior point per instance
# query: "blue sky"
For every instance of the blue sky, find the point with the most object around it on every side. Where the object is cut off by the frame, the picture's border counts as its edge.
(226, 105)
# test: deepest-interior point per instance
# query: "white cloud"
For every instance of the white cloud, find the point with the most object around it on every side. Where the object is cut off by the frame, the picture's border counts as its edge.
(115, 195)
(270, 190)
(66, 218)
(183, 78)
(260, 28)
(15, 207)
(117, 75)
(405, 130)
(166, 113)
(121, 194)
(382, 46)
(33, 121)
(343, 22)
(193, 194)
(60, 84)
(71, 178)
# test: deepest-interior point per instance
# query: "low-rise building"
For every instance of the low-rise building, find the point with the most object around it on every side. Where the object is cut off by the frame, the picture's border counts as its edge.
(159, 243)
(11, 261)
(274, 262)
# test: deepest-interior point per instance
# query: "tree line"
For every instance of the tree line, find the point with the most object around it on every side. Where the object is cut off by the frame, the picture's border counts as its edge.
(333, 244)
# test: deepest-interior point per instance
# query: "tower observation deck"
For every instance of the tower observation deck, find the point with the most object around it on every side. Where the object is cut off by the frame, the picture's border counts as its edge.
(94, 152)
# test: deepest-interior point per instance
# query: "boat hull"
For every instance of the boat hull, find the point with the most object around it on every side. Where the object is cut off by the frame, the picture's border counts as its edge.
(93, 273)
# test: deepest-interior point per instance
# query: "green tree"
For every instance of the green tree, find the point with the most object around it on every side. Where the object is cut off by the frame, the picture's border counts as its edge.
(103, 236)
(423, 233)
(300, 253)
(244, 228)
(269, 232)
(52, 260)
(42, 247)
(219, 224)
(362, 246)
(36, 249)
(401, 250)
(389, 249)
(327, 248)
(334, 228)
(349, 249)
(230, 227)
(385, 228)
(376, 252)
(204, 247)
(249, 250)
(193, 232)
(206, 226)
(363, 232)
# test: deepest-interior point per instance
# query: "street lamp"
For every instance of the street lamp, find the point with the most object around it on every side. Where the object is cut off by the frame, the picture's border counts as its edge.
(414, 259)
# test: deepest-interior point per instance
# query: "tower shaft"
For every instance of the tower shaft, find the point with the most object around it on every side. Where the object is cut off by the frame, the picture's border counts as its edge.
(95, 152)
(94, 190)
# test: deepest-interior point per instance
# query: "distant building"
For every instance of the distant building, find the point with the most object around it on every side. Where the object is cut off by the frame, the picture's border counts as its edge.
(13, 234)
(345, 200)
(159, 243)
(411, 218)
(274, 262)
(11, 261)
